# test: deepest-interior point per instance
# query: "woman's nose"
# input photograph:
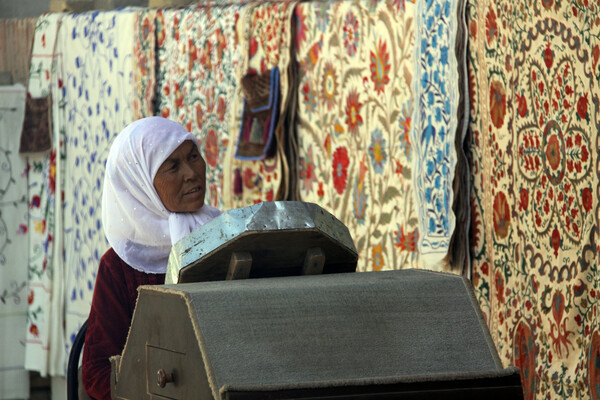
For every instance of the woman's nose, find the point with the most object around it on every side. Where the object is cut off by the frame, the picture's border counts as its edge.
(187, 171)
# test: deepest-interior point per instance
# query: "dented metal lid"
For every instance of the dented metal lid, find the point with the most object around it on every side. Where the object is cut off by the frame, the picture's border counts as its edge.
(277, 235)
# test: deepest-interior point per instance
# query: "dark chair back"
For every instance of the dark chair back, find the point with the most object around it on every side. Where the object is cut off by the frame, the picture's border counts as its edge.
(73, 364)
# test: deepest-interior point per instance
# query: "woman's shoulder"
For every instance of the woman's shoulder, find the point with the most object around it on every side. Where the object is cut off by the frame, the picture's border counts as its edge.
(111, 258)
(112, 265)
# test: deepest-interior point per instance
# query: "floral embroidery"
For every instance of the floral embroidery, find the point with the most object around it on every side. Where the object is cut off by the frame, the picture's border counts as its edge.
(340, 169)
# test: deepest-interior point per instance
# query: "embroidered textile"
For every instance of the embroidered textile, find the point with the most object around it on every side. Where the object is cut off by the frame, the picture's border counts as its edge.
(354, 118)
(41, 195)
(14, 379)
(93, 86)
(264, 32)
(197, 56)
(534, 77)
(144, 64)
(436, 126)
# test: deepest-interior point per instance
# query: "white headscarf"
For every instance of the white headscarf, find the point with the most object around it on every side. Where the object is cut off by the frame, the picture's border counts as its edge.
(136, 223)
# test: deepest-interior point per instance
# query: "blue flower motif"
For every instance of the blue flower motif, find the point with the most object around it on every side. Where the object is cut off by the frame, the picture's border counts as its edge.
(322, 14)
(438, 114)
(428, 133)
(439, 156)
(430, 99)
(430, 60)
(424, 80)
(359, 198)
(431, 225)
(377, 151)
(430, 167)
(444, 55)
(438, 205)
(429, 23)
(428, 192)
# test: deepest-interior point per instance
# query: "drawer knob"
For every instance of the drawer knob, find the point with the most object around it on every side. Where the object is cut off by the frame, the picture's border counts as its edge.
(162, 378)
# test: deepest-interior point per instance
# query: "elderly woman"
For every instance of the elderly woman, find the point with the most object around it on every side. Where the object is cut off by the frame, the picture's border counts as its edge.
(153, 196)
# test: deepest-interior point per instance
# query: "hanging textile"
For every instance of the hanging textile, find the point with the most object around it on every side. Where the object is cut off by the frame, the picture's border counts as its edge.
(438, 131)
(41, 196)
(93, 86)
(354, 118)
(198, 54)
(144, 64)
(16, 39)
(265, 35)
(14, 379)
(534, 77)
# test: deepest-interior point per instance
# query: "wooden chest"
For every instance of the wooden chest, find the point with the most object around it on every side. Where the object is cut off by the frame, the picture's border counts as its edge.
(406, 334)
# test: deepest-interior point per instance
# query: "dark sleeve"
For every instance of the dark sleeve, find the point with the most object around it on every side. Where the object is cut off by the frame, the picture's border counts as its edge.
(108, 325)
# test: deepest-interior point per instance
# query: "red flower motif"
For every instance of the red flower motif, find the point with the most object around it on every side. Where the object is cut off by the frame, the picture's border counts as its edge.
(353, 106)
(249, 178)
(499, 287)
(351, 34)
(300, 26)
(221, 108)
(587, 199)
(221, 44)
(199, 116)
(320, 191)
(501, 216)
(555, 241)
(30, 297)
(497, 103)
(35, 202)
(380, 67)
(399, 4)
(485, 268)
(582, 107)
(160, 28)
(340, 169)
(524, 203)
(491, 26)
(407, 241)
(548, 56)
(146, 27)
(178, 96)
(211, 149)
(165, 112)
(521, 106)
(33, 329)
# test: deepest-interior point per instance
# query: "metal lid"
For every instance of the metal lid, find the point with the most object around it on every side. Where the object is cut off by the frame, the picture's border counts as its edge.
(277, 235)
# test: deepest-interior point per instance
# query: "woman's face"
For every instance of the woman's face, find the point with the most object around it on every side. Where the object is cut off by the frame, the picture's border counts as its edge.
(181, 180)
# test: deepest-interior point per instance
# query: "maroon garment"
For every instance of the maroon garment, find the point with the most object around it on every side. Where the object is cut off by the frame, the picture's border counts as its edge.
(113, 303)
